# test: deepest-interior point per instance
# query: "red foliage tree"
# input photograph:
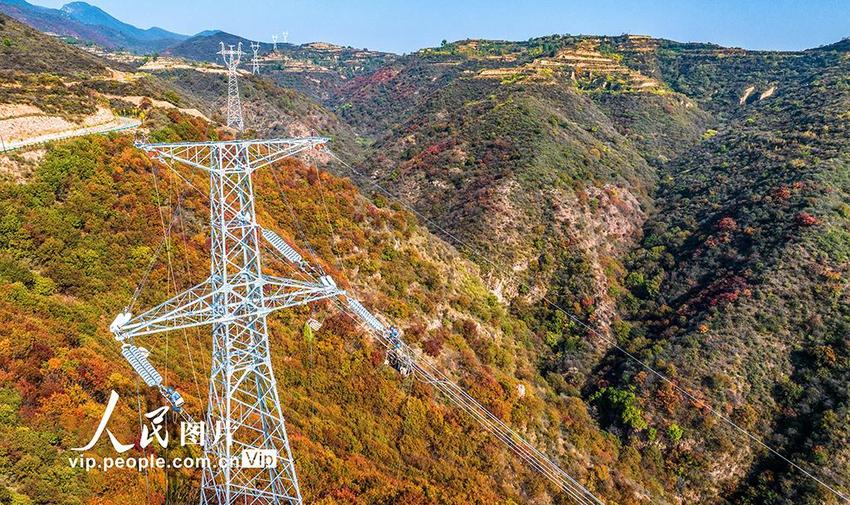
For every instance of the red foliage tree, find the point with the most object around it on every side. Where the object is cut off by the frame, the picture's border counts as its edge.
(806, 219)
(727, 224)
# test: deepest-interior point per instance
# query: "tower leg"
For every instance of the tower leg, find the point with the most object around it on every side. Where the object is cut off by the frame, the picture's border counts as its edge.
(245, 409)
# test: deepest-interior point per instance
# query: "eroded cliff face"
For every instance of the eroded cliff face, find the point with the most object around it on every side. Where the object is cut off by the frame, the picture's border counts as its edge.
(549, 175)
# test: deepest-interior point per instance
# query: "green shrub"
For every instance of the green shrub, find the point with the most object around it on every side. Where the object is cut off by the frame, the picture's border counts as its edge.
(620, 406)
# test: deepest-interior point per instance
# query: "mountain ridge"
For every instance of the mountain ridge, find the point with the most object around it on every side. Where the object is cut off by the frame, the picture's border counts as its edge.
(91, 25)
(91, 15)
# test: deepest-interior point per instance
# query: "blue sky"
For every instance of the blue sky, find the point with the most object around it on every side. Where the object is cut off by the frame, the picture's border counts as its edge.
(407, 25)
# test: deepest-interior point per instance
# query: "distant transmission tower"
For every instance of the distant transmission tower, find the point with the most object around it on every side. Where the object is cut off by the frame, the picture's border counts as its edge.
(255, 61)
(285, 37)
(237, 297)
(231, 59)
(274, 41)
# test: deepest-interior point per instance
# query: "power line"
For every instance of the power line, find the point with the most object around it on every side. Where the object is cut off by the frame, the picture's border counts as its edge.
(427, 372)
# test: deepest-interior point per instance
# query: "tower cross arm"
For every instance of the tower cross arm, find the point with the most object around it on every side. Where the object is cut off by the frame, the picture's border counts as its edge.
(194, 154)
(265, 152)
(196, 306)
(282, 293)
(190, 308)
(231, 155)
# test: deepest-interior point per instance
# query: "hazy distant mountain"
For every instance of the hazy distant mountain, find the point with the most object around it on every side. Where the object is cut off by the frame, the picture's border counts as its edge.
(91, 24)
(204, 45)
(92, 15)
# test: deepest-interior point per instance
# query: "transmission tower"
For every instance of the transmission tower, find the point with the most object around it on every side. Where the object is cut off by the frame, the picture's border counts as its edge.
(274, 42)
(231, 59)
(285, 37)
(243, 407)
(255, 61)
(236, 299)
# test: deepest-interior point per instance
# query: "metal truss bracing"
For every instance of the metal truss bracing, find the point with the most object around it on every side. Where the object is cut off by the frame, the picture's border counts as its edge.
(194, 307)
(235, 300)
(231, 59)
(232, 155)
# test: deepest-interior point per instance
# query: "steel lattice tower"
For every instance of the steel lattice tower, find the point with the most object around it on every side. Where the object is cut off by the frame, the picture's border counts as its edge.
(255, 61)
(235, 300)
(231, 59)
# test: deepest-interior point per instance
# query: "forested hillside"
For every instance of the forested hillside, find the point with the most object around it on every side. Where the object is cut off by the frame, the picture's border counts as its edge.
(707, 191)
(687, 203)
(77, 235)
(548, 170)
(740, 288)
